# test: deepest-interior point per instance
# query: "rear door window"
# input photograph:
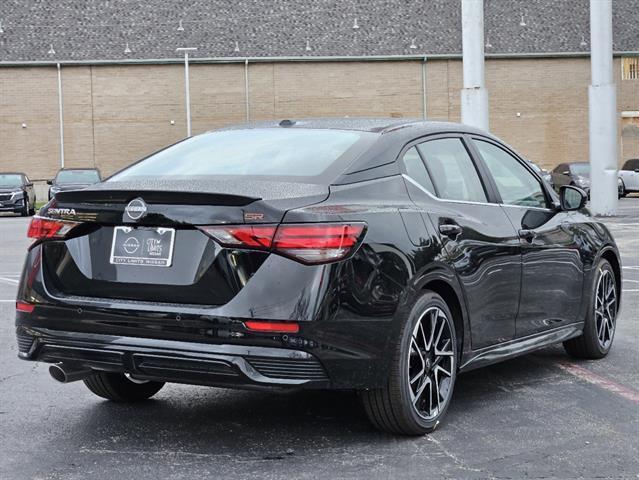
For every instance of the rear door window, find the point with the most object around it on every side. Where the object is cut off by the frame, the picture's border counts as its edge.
(452, 170)
(416, 170)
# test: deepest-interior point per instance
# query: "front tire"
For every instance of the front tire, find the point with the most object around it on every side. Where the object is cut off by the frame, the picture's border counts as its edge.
(601, 321)
(422, 372)
(118, 388)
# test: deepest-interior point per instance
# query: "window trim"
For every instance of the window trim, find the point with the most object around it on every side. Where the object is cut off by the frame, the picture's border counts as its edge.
(552, 204)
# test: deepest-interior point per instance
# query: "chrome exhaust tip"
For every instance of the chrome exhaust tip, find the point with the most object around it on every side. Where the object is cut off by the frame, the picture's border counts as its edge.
(66, 374)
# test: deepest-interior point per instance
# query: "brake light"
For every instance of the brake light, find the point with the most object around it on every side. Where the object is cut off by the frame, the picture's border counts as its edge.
(318, 243)
(253, 236)
(42, 228)
(309, 243)
(272, 327)
(25, 307)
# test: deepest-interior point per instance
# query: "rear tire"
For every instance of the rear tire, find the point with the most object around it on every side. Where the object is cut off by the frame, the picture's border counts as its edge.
(423, 369)
(600, 325)
(118, 388)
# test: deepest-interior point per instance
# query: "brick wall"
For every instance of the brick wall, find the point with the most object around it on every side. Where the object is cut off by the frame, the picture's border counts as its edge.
(117, 114)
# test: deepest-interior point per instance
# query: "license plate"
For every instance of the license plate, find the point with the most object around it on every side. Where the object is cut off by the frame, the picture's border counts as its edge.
(147, 247)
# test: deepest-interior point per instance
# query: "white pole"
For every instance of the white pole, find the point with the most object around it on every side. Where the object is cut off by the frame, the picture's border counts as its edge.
(602, 96)
(246, 90)
(474, 96)
(61, 116)
(187, 92)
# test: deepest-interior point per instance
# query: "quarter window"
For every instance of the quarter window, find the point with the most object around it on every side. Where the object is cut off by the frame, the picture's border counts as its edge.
(515, 183)
(452, 170)
(416, 170)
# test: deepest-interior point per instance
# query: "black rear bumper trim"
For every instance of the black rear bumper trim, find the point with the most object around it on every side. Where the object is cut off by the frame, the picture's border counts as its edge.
(177, 361)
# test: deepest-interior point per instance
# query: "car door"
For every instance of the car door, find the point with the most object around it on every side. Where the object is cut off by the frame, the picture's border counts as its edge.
(478, 240)
(552, 276)
(629, 173)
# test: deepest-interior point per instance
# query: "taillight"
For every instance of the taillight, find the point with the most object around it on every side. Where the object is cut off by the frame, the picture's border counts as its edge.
(247, 236)
(307, 242)
(42, 228)
(318, 243)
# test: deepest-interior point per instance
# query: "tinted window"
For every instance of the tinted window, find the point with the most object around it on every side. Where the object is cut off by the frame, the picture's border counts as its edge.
(582, 169)
(269, 151)
(416, 170)
(77, 176)
(452, 170)
(515, 183)
(631, 165)
(8, 180)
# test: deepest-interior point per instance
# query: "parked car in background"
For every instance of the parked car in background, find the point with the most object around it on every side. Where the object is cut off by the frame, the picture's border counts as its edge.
(73, 179)
(384, 256)
(629, 175)
(17, 194)
(576, 173)
(543, 173)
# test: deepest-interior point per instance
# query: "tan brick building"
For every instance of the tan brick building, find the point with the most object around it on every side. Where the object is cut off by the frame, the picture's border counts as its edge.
(116, 111)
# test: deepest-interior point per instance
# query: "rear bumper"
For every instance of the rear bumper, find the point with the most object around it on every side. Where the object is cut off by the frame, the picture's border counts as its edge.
(232, 366)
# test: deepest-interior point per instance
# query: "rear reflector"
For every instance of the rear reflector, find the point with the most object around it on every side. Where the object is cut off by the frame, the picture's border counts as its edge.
(307, 242)
(24, 307)
(42, 228)
(272, 327)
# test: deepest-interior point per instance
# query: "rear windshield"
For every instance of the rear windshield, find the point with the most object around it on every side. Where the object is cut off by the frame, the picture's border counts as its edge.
(10, 180)
(262, 152)
(77, 176)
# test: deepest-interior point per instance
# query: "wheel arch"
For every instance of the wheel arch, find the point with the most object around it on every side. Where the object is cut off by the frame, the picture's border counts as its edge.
(444, 282)
(612, 256)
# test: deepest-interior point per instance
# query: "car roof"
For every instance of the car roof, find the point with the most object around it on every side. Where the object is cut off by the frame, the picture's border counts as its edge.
(364, 124)
(13, 173)
(74, 169)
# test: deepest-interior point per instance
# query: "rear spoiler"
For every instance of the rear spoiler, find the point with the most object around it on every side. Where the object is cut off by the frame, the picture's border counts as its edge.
(153, 197)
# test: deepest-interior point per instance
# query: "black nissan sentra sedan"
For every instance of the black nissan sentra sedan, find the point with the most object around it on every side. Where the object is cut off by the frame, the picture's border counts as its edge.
(383, 256)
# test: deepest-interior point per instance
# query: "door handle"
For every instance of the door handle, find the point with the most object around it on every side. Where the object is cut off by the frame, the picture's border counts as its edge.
(527, 234)
(450, 229)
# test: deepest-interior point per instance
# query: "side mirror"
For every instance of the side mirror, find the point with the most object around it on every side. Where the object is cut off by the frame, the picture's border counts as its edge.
(572, 198)
(30, 184)
(49, 182)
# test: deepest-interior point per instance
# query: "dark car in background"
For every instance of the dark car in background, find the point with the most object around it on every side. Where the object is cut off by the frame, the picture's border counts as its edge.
(17, 194)
(576, 173)
(73, 179)
(383, 256)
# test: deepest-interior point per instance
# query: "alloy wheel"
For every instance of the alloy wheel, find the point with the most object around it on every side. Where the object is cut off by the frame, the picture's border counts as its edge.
(431, 363)
(605, 308)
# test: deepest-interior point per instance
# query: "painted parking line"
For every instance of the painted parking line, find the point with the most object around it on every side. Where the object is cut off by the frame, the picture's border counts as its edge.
(600, 381)
(12, 281)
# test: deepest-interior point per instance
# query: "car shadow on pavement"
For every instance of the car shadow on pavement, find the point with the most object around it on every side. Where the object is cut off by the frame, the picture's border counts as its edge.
(201, 420)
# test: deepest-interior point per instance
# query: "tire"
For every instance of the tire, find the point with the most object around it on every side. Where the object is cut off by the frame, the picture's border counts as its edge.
(600, 324)
(623, 192)
(391, 408)
(118, 388)
(25, 210)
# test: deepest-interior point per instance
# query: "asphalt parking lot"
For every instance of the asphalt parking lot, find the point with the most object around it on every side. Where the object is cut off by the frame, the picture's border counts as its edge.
(539, 416)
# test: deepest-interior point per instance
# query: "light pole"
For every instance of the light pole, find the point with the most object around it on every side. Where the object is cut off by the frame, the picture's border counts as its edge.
(60, 115)
(187, 93)
(602, 112)
(474, 96)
